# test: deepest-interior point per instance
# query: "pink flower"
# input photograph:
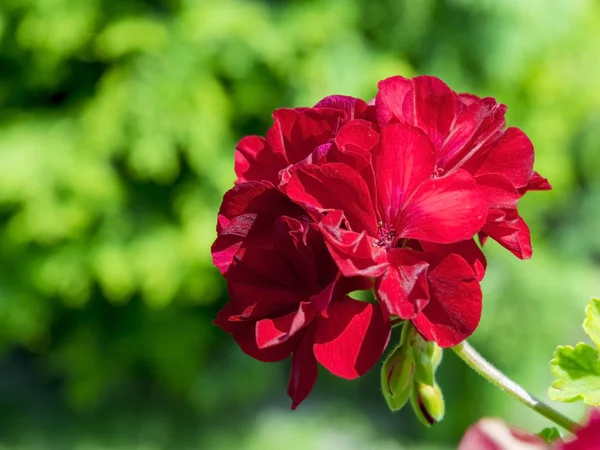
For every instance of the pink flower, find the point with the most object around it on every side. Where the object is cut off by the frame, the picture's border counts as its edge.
(494, 434)
(288, 298)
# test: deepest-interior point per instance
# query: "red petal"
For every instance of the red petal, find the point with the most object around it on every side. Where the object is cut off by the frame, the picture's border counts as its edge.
(390, 99)
(355, 108)
(454, 308)
(538, 183)
(402, 162)
(271, 332)
(511, 156)
(444, 210)
(498, 191)
(334, 186)
(468, 250)
(245, 336)
(352, 252)
(256, 160)
(246, 217)
(403, 289)
(511, 233)
(477, 124)
(357, 133)
(304, 370)
(352, 339)
(431, 106)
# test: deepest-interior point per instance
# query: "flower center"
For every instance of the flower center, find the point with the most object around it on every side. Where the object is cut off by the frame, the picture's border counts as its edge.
(387, 236)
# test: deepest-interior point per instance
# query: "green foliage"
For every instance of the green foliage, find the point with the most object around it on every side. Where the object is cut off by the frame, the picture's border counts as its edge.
(118, 120)
(578, 369)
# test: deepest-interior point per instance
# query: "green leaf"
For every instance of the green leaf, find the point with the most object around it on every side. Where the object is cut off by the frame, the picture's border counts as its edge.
(549, 434)
(578, 374)
(578, 369)
(591, 324)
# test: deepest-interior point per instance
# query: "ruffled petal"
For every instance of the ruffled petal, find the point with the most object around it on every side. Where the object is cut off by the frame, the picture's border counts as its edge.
(403, 288)
(304, 370)
(256, 160)
(331, 186)
(353, 253)
(355, 108)
(271, 332)
(401, 163)
(444, 210)
(352, 339)
(390, 97)
(510, 231)
(432, 106)
(454, 308)
(511, 156)
(474, 127)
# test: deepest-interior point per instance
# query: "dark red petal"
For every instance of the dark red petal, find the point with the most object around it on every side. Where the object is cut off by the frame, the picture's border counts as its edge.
(476, 125)
(511, 233)
(511, 156)
(304, 370)
(390, 99)
(431, 105)
(245, 336)
(401, 163)
(352, 339)
(468, 250)
(537, 183)
(334, 186)
(353, 253)
(357, 133)
(313, 127)
(256, 160)
(355, 108)
(270, 332)
(454, 308)
(444, 210)
(246, 217)
(403, 288)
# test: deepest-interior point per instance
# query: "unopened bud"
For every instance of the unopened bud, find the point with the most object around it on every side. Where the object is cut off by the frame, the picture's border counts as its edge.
(427, 358)
(428, 403)
(397, 377)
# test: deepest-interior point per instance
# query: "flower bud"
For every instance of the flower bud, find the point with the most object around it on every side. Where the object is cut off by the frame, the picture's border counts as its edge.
(427, 358)
(397, 377)
(428, 403)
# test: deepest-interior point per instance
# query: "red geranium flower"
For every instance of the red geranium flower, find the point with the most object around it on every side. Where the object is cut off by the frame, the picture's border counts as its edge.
(387, 219)
(288, 298)
(468, 133)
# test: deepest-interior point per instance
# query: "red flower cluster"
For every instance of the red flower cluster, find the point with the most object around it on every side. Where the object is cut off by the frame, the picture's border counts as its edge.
(348, 195)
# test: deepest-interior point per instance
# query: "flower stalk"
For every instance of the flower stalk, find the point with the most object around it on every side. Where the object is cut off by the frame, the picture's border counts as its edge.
(484, 368)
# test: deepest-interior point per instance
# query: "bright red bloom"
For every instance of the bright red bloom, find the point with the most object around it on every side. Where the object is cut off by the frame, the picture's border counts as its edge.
(387, 218)
(469, 133)
(288, 298)
(494, 434)
(295, 134)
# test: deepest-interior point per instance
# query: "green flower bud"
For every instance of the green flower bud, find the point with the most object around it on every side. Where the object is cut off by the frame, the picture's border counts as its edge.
(397, 377)
(428, 403)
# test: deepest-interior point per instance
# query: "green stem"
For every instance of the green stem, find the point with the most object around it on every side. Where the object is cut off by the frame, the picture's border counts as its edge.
(484, 368)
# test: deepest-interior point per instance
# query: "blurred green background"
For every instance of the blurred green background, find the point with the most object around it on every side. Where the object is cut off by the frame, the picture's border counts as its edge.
(118, 121)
